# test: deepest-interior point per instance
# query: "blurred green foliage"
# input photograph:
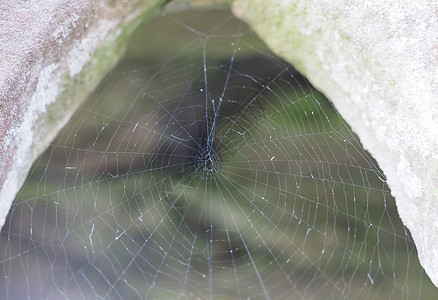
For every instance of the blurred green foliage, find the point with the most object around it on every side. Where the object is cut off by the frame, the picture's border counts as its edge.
(298, 210)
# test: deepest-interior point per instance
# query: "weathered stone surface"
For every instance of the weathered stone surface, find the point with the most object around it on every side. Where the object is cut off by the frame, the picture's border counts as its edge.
(52, 55)
(378, 62)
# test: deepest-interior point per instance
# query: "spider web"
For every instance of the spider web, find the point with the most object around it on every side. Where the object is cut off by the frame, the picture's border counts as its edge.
(206, 167)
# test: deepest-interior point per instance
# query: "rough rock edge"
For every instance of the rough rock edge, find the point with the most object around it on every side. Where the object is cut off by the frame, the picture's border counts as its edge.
(377, 61)
(48, 66)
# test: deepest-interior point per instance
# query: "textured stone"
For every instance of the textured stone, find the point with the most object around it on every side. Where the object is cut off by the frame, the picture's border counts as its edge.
(378, 62)
(52, 55)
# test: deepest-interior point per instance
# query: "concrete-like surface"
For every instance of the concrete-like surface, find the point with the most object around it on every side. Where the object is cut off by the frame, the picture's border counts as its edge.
(52, 55)
(377, 61)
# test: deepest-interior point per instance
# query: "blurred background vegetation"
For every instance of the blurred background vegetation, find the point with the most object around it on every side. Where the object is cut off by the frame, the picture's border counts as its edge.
(114, 209)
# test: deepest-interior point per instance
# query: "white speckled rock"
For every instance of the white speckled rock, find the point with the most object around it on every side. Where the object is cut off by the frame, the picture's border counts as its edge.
(52, 54)
(377, 61)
